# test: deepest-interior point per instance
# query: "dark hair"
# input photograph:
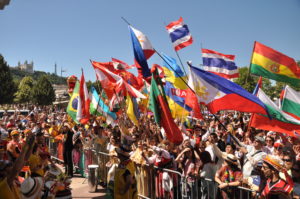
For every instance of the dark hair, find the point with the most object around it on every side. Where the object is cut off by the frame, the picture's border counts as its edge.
(232, 146)
(205, 157)
(214, 135)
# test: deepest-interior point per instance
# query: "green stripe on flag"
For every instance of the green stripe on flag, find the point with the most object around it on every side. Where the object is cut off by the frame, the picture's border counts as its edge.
(260, 71)
(291, 107)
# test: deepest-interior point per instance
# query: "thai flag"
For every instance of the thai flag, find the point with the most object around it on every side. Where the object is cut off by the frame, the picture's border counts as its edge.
(218, 93)
(220, 64)
(142, 50)
(179, 34)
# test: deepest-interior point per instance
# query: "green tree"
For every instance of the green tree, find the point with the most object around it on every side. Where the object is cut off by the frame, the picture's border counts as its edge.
(7, 86)
(247, 82)
(43, 92)
(25, 90)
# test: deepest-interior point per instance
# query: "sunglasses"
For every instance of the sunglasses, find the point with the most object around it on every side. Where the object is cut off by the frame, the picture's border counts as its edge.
(265, 167)
(287, 160)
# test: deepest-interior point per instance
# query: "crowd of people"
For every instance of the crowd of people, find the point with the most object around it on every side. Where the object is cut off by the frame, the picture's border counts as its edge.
(218, 155)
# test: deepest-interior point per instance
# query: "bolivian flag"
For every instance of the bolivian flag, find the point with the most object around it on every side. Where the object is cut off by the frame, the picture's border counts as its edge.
(73, 103)
(272, 64)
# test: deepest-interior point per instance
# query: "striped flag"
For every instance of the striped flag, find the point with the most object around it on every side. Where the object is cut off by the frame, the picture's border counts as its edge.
(291, 102)
(98, 107)
(219, 64)
(272, 64)
(179, 34)
(280, 122)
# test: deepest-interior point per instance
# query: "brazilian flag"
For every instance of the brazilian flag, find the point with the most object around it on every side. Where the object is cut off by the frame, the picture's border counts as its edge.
(73, 103)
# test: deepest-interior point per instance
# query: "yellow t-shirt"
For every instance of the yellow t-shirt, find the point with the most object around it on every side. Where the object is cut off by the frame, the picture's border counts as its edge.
(34, 162)
(7, 192)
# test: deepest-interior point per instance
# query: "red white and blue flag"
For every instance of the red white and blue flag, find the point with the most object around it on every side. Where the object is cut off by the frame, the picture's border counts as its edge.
(142, 50)
(179, 34)
(218, 93)
(220, 64)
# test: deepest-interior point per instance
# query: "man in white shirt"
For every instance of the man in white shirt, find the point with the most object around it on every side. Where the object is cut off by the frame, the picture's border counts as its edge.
(253, 154)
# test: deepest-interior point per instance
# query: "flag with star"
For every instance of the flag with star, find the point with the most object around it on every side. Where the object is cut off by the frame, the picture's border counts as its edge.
(218, 93)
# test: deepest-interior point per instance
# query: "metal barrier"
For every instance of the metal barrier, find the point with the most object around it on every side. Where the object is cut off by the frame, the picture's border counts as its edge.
(161, 183)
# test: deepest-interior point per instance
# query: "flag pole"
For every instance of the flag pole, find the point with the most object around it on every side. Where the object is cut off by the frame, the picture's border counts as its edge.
(125, 20)
(182, 66)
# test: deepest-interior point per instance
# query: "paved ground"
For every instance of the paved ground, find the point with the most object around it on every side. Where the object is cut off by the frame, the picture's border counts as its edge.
(80, 189)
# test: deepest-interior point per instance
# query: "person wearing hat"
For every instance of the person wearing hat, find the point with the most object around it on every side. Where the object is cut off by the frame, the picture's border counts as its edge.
(14, 146)
(229, 176)
(125, 182)
(32, 187)
(275, 186)
(252, 155)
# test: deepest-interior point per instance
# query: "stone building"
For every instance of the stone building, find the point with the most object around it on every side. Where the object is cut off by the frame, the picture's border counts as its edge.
(28, 67)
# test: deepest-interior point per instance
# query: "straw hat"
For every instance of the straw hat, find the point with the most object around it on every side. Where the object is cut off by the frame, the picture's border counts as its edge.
(230, 158)
(27, 131)
(274, 162)
(14, 132)
(31, 187)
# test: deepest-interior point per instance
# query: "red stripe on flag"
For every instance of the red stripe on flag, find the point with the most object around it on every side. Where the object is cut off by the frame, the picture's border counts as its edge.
(277, 57)
(184, 44)
(264, 123)
(235, 102)
(167, 122)
(231, 57)
(174, 23)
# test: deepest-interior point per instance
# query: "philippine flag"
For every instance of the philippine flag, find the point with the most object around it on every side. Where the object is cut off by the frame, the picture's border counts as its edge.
(220, 64)
(221, 94)
(142, 50)
(179, 34)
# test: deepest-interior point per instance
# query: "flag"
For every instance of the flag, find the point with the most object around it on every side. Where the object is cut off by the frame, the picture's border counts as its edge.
(220, 64)
(132, 109)
(123, 88)
(272, 64)
(73, 103)
(191, 99)
(176, 101)
(98, 107)
(118, 64)
(258, 85)
(173, 72)
(219, 93)
(83, 110)
(179, 34)
(118, 68)
(280, 122)
(142, 50)
(107, 78)
(291, 102)
(162, 114)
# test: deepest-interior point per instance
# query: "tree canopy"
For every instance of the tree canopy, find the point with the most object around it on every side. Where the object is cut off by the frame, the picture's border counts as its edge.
(43, 92)
(7, 85)
(25, 92)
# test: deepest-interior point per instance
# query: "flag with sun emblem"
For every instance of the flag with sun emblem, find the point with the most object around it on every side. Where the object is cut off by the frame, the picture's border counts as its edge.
(73, 103)
(218, 93)
(269, 63)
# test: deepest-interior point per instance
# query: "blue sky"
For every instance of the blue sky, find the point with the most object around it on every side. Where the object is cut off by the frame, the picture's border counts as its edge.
(70, 32)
